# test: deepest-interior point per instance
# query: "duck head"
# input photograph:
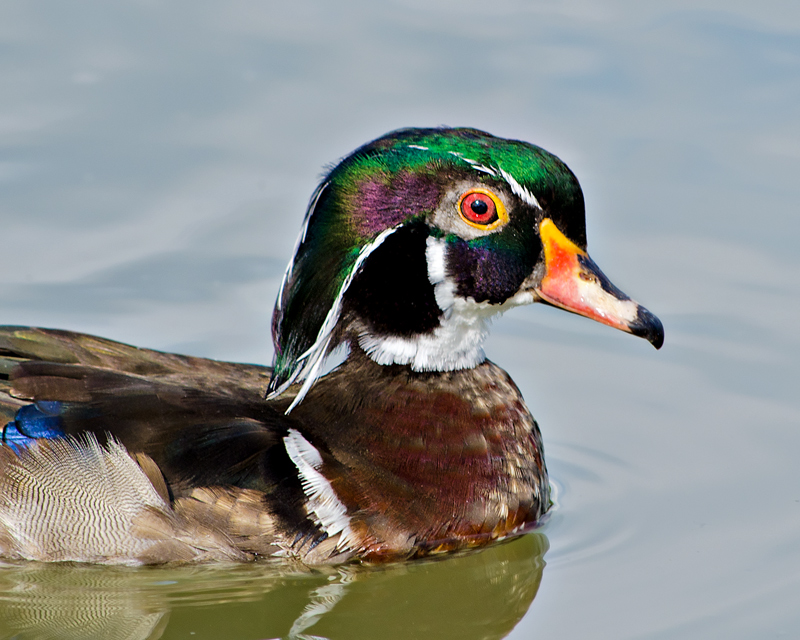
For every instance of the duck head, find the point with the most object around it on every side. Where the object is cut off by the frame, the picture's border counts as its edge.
(414, 241)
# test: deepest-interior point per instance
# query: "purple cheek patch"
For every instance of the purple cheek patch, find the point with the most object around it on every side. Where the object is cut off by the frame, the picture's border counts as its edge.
(381, 205)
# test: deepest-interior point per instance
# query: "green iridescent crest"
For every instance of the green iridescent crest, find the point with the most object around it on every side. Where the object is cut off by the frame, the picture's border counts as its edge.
(379, 188)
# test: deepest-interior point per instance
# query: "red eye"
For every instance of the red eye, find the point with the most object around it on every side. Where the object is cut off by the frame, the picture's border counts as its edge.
(482, 209)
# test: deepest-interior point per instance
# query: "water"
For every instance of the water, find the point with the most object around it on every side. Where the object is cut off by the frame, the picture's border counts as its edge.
(485, 595)
(156, 161)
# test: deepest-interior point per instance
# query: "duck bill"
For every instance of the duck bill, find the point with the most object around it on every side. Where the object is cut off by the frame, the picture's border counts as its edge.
(573, 282)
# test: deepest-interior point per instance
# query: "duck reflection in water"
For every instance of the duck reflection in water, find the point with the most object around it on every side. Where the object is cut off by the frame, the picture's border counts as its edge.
(471, 595)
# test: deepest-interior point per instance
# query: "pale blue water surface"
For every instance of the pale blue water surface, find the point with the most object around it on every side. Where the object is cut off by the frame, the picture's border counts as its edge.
(155, 163)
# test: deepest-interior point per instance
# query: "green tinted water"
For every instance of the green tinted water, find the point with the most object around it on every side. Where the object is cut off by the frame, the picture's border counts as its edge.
(478, 595)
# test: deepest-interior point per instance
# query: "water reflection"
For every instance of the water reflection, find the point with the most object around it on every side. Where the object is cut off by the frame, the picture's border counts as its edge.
(479, 595)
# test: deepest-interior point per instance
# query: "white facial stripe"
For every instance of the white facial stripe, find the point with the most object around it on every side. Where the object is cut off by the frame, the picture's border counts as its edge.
(435, 258)
(474, 163)
(322, 505)
(516, 188)
(443, 290)
(520, 191)
(417, 146)
(311, 360)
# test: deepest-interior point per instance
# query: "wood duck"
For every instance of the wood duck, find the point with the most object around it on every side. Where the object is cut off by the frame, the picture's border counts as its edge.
(415, 444)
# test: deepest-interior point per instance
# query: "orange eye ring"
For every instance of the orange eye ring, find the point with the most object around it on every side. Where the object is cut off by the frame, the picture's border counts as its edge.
(482, 209)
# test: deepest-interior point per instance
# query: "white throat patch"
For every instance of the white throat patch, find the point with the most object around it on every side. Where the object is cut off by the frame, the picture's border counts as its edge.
(457, 343)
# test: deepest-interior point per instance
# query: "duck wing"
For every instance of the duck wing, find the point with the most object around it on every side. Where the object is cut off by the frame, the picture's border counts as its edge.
(202, 421)
(200, 430)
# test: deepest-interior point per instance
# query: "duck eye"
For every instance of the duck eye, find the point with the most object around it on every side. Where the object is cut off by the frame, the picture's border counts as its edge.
(482, 209)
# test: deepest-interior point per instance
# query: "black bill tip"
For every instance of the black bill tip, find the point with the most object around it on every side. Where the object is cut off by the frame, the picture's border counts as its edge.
(648, 326)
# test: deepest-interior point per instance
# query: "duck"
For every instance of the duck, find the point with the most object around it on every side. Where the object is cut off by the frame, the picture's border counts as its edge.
(414, 444)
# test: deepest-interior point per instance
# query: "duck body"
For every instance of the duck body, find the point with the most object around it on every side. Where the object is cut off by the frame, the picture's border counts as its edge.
(415, 444)
(378, 461)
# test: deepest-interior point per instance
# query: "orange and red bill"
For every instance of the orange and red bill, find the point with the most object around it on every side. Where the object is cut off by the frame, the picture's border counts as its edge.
(573, 282)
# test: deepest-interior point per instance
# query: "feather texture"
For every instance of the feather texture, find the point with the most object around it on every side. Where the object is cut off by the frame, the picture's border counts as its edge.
(75, 500)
